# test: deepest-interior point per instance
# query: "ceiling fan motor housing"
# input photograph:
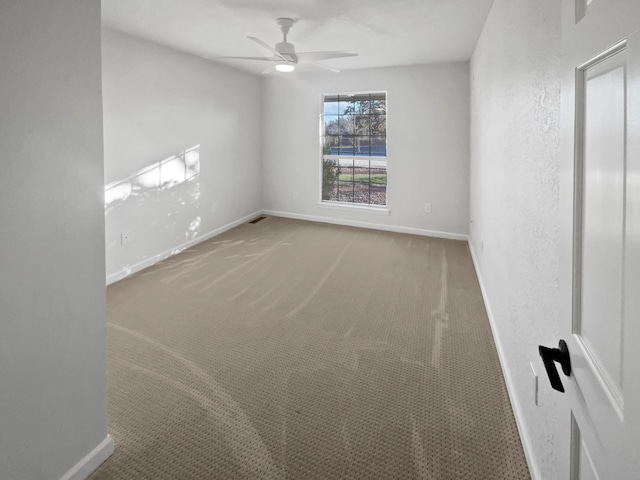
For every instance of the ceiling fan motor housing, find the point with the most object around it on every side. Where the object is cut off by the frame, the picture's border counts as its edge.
(287, 50)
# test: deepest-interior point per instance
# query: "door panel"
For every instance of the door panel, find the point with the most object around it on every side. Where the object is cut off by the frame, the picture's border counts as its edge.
(600, 230)
(586, 470)
(582, 467)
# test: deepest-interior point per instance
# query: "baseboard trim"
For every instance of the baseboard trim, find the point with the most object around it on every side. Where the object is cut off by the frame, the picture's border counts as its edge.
(513, 396)
(375, 226)
(91, 461)
(131, 269)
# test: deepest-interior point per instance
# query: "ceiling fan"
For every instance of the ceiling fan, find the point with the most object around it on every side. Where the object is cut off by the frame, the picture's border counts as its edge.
(285, 58)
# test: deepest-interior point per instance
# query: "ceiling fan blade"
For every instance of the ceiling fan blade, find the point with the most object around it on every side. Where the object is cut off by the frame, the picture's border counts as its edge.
(267, 46)
(266, 59)
(315, 56)
(268, 70)
(324, 67)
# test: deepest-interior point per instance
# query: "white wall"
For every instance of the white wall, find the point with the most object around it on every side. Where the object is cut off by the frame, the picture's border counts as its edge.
(428, 145)
(158, 102)
(53, 419)
(515, 115)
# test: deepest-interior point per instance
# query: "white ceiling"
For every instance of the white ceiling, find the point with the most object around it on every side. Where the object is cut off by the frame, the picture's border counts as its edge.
(383, 32)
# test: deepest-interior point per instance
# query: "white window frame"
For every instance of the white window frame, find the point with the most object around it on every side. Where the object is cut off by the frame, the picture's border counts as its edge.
(364, 207)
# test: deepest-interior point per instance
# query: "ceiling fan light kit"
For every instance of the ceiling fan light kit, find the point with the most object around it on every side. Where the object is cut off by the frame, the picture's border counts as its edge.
(285, 67)
(285, 59)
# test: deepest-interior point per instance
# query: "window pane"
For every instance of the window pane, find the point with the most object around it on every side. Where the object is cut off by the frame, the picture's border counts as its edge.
(329, 180)
(362, 125)
(347, 125)
(378, 146)
(379, 125)
(331, 125)
(331, 106)
(331, 145)
(346, 104)
(362, 146)
(346, 146)
(361, 181)
(378, 173)
(345, 181)
(361, 190)
(361, 178)
(378, 103)
(363, 105)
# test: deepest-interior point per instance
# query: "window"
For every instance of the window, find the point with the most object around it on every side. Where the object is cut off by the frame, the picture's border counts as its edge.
(354, 155)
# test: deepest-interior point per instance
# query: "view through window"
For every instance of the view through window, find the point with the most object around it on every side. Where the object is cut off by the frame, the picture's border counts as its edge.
(354, 156)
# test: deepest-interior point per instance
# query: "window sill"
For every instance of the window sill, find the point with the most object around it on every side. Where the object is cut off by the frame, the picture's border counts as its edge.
(355, 207)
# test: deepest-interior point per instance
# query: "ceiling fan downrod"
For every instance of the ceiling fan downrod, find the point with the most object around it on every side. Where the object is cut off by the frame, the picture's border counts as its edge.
(285, 25)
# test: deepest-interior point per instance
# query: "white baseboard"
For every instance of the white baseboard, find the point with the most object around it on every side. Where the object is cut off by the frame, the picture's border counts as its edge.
(91, 461)
(375, 226)
(513, 396)
(147, 262)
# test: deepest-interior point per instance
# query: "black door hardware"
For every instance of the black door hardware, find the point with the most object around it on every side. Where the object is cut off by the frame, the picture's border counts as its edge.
(560, 355)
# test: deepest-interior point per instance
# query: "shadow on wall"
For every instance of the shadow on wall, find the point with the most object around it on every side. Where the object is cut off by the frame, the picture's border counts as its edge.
(157, 206)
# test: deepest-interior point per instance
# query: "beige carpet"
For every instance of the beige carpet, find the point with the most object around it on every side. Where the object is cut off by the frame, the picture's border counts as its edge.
(295, 350)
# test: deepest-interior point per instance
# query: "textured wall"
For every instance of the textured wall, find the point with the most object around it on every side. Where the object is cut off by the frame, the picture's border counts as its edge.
(157, 103)
(515, 115)
(52, 298)
(428, 144)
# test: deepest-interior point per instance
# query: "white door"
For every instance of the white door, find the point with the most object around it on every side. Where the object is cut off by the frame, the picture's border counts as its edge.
(600, 238)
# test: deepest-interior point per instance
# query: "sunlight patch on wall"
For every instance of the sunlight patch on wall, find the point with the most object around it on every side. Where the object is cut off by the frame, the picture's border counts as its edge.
(161, 175)
(194, 228)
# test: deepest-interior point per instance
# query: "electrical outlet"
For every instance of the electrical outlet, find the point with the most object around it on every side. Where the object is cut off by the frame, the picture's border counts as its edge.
(534, 384)
(125, 237)
(427, 207)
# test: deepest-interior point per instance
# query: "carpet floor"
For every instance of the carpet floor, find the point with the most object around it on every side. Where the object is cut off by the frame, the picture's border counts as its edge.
(295, 350)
